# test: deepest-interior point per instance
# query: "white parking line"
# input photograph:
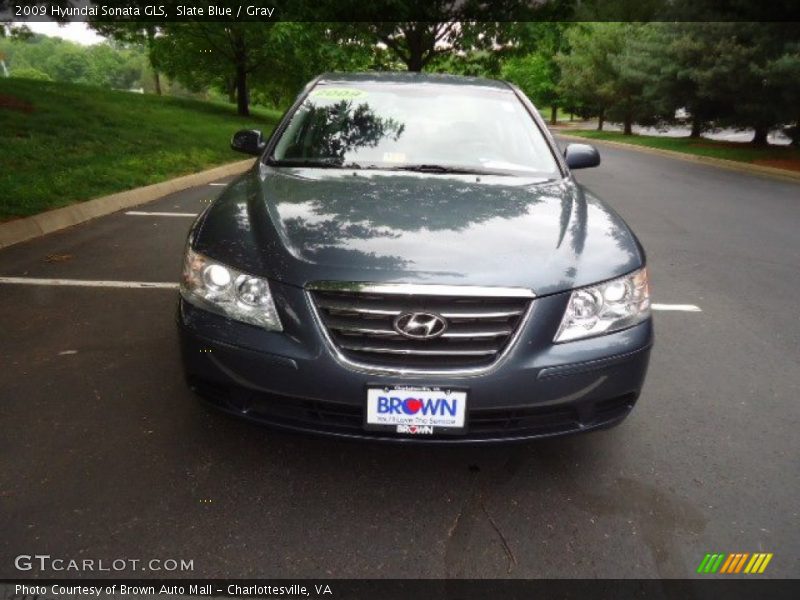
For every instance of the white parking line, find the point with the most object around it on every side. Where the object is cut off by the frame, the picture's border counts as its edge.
(677, 307)
(139, 213)
(88, 283)
(218, 184)
(163, 285)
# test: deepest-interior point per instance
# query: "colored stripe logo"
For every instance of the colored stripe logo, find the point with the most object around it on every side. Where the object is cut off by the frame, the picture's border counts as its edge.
(738, 562)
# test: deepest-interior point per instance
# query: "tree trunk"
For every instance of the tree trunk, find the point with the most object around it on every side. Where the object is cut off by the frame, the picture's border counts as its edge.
(416, 47)
(242, 104)
(601, 118)
(414, 62)
(628, 130)
(151, 36)
(231, 85)
(760, 136)
(240, 56)
(696, 128)
(554, 115)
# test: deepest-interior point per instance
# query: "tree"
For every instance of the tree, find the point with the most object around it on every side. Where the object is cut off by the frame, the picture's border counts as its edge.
(538, 72)
(303, 51)
(226, 53)
(587, 72)
(599, 75)
(669, 57)
(69, 64)
(131, 32)
(270, 60)
(750, 63)
(113, 67)
(724, 74)
(535, 76)
(473, 63)
(415, 43)
(438, 28)
(105, 65)
(786, 69)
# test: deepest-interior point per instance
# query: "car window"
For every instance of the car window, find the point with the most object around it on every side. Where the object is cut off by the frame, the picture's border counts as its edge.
(383, 125)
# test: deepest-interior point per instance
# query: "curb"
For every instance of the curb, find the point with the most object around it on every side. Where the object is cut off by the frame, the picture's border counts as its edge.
(731, 165)
(20, 230)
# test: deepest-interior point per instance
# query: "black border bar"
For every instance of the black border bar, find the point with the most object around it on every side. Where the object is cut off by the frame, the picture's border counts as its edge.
(397, 10)
(712, 588)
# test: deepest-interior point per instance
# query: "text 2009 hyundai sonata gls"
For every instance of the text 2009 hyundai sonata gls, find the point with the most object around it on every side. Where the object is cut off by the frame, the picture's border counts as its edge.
(410, 259)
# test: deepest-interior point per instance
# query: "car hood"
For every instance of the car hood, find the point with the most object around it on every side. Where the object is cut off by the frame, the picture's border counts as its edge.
(304, 225)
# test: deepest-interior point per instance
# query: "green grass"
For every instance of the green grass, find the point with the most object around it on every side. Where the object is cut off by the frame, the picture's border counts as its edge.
(776, 156)
(63, 143)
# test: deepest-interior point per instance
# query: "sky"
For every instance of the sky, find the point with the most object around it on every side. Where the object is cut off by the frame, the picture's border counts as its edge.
(74, 32)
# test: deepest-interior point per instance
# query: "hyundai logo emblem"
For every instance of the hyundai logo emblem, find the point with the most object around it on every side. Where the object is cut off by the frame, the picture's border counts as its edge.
(420, 325)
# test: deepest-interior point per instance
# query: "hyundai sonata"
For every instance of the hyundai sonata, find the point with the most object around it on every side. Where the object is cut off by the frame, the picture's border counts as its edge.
(410, 258)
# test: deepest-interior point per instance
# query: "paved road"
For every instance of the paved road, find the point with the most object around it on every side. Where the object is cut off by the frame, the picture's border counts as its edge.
(105, 454)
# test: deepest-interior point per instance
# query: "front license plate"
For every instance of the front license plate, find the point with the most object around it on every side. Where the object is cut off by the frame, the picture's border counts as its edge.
(416, 410)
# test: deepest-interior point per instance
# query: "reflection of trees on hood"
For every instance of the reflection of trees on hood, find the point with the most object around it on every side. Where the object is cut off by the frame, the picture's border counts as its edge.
(326, 232)
(358, 258)
(578, 228)
(325, 220)
(338, 129)
(417, 203)
(320, 239)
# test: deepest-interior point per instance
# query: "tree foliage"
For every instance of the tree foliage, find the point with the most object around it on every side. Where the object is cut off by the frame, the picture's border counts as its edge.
(274, 58)
(534, 66)
(137, 34)
(596, 76)
(440, 28)
(741, 75)
(104, 65)
(720, 74)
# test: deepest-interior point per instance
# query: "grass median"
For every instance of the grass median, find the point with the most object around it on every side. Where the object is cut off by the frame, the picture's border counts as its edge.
(63, 143)
(780, 157)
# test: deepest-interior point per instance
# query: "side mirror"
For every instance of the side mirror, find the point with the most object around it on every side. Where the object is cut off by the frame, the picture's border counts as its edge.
(249, 141)
(581, 156)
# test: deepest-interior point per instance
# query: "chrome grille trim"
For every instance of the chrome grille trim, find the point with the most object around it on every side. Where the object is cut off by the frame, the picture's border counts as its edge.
(345, 325)
(422, 289)
(404, 351)
(356, 323)
(486, 315)
(348, 307)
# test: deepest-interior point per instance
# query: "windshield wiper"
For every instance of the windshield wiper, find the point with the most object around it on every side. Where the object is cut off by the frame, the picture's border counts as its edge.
(332, 163)
(320, 163)
(431, 168)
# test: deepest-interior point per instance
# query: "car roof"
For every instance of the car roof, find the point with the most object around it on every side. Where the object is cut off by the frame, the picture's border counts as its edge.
(411, 78)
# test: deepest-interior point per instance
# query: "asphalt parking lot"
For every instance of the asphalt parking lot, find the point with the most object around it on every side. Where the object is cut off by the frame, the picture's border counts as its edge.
(105, 454)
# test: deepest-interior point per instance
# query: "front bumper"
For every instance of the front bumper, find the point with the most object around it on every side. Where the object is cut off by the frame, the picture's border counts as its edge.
(293, 379)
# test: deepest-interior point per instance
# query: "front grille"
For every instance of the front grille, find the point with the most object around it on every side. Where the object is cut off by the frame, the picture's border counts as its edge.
(361, 325)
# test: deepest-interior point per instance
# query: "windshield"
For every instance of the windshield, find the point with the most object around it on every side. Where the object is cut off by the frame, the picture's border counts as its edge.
(430, 127)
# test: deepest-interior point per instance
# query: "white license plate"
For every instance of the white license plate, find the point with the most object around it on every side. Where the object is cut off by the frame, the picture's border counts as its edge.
(416, 410)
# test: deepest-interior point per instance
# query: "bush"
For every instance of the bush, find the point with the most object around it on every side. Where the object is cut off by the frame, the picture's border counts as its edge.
(30, 73)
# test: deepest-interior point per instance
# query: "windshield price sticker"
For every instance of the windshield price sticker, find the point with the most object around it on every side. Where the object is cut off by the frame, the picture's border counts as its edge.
(338, 93)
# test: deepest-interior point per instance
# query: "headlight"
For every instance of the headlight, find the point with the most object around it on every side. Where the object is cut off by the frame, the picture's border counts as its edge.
(224, 290)
(606, 307)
